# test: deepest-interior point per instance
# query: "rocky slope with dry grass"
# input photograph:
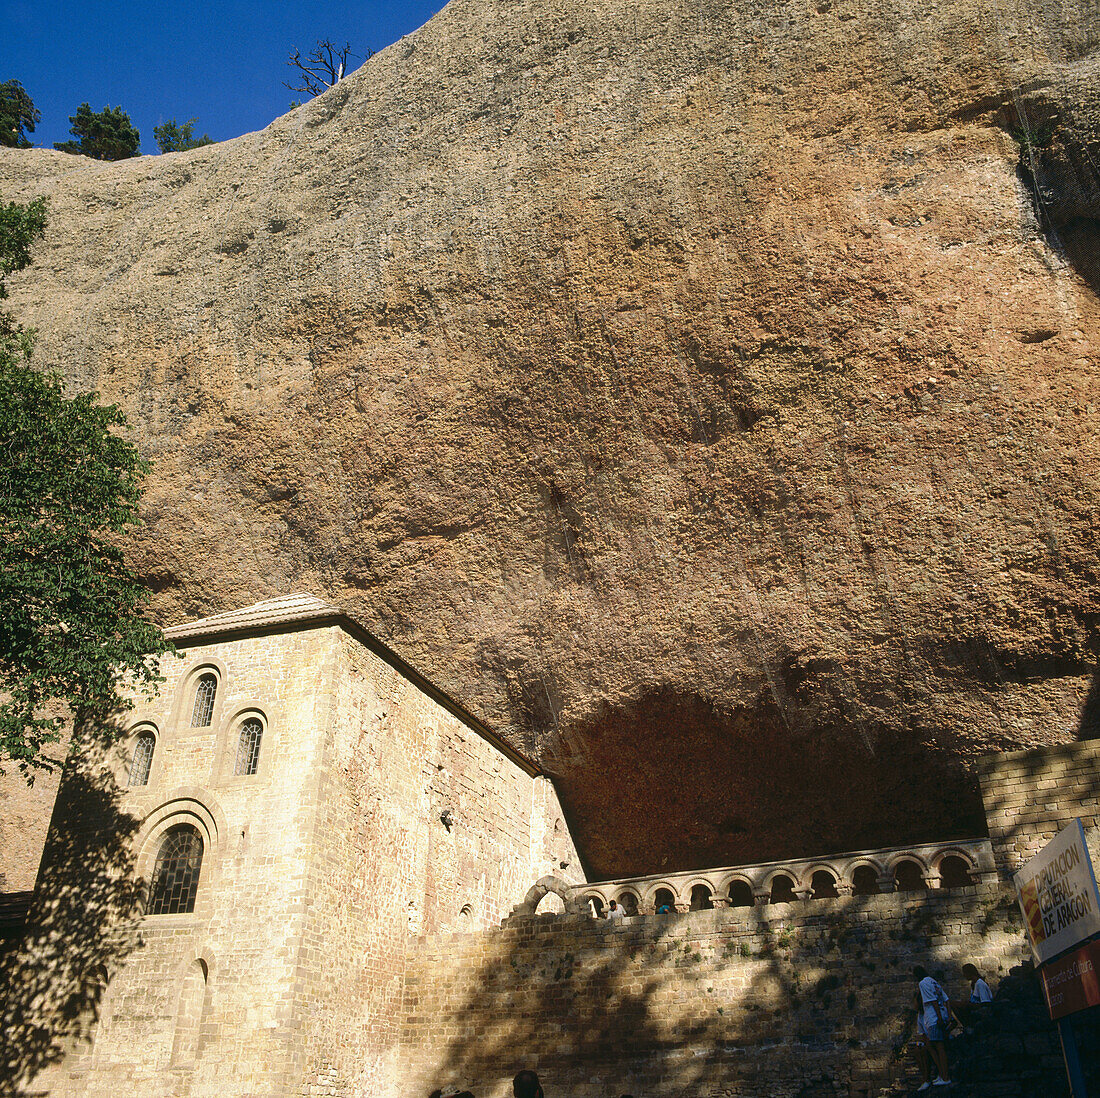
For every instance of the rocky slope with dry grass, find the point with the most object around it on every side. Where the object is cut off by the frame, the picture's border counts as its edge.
(705, 393)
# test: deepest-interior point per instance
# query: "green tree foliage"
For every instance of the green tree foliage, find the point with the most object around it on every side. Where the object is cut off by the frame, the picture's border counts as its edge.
(172, 137)
(18, 115)
(102, 135)
(71, 630)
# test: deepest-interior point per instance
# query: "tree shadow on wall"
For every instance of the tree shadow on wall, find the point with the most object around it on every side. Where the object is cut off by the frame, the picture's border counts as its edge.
(82, 921)
(808, 1002)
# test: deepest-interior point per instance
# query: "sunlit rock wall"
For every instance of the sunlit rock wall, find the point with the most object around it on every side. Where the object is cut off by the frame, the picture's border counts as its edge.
(703, 393)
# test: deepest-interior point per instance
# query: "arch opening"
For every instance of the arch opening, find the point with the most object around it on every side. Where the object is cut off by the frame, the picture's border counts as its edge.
(664, 902)
(202, 711)
(908, 877)
(955, 873)
(629, 903)
(701, 898)
(176, 872)
(782, 890)
(186, 1045)
(142, 761)
(741, 894)
(823, 886)
(865, 881)
(550, 904)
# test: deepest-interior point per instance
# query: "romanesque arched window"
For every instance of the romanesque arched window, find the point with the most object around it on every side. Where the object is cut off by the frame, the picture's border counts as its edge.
(203, 710)
(248, 746)
(142, 761)
(865, 881)
(176, 873)
(823, 886)
(954, 872)
(700, 898)
(782, 889)
(741, 894)
(908, 877)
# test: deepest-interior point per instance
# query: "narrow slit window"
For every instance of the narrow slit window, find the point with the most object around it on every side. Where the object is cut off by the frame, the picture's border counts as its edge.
(176, 873)
(248, 747)
(143, 759)
(203, 712)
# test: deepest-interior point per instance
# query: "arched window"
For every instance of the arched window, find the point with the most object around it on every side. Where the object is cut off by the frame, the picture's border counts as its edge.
(782, 890)
(700, 898)
(629, 903)
(143, 759)
(908, 877)
(664, 903)
(823, 885)
(248, 747)
(595, 905)
(954, 872)
(203, 711)
(741, 894)
(176, 873)
(865, 881)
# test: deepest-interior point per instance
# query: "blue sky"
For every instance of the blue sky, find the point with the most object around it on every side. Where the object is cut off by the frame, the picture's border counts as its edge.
(223, 62)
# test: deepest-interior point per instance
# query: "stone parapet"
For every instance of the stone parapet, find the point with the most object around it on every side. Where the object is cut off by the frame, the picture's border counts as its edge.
(955, 864)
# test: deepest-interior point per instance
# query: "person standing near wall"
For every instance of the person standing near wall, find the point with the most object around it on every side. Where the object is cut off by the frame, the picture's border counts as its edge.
(934, 1006)
(980, 997)
(615, 912)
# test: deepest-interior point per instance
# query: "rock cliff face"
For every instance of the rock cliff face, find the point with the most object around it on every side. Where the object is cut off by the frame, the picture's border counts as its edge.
(706, 393)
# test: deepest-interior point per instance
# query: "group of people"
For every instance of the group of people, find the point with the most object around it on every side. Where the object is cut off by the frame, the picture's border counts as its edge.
(937, 1015)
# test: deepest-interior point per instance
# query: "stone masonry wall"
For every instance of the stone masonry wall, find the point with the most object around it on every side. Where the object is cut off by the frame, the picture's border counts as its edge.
(424, 827)
(1031, 795)
(249, 919)
(784, 1001)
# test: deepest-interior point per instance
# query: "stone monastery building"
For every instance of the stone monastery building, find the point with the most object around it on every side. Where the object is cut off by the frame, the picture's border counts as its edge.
(345, 872)
(307, 803)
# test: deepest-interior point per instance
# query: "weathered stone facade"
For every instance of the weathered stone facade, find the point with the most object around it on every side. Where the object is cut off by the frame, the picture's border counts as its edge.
(376, 814)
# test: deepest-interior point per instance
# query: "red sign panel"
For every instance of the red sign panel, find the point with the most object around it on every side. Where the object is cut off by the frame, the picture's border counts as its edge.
(1072, 982)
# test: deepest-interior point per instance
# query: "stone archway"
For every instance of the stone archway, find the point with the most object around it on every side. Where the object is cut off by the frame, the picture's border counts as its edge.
(540, 888)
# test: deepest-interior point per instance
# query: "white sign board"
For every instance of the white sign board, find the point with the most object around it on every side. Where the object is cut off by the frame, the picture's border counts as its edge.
(1057, 893)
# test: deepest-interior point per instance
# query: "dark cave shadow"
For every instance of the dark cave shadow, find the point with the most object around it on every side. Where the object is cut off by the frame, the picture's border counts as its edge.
(714, 787)
(81, 924)
(821, 1006)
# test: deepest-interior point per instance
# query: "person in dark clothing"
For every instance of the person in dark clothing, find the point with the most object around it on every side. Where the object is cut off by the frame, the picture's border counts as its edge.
(526, 1085)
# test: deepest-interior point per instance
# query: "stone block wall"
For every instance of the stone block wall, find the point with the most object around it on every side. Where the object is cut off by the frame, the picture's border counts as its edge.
(232, 962)
(1031, 795)
(784, 1001)
(424, 827)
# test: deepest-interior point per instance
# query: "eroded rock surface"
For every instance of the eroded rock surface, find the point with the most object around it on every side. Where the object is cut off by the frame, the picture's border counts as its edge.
(692, 389)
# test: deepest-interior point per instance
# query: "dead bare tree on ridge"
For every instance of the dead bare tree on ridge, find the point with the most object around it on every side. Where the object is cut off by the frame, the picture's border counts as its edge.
(322, 68)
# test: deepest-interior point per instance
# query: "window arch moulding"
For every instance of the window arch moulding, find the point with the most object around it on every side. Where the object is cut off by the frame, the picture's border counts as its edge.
(141, 756)
(236, 760)
(187, 704)
(187, 807)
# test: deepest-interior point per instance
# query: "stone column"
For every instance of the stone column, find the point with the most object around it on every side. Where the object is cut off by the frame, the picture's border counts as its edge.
(886, 883)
